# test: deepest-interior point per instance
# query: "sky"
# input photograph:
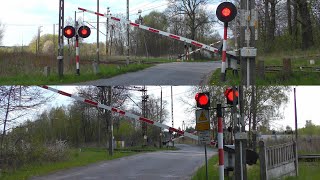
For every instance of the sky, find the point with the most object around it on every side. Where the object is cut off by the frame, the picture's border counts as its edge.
(307, 109)
(22, 18)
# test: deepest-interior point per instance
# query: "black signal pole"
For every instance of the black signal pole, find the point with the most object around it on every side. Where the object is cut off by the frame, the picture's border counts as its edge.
(60, 40)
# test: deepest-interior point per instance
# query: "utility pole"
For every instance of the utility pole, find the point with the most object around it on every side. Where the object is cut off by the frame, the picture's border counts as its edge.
(97, 38)
(110, 120)
(107, 30)
(60, 40)
(128, 40)
(172, 113)
(295, 115)
(240, 141)
(38, 41)
(248, 36)
(144, 113)
(160, 139)
(54, 43)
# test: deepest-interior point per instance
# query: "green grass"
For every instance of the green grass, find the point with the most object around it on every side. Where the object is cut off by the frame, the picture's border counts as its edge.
(77, 158)
(213, 172)
(298, 59)
(86, 156)
(40, 79)
(275, 78)
(307, 171)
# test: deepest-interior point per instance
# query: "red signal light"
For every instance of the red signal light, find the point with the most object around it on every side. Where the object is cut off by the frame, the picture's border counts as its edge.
(69, 31)
(84, 31)
(203, 100)
(229, 94)
(226, 12)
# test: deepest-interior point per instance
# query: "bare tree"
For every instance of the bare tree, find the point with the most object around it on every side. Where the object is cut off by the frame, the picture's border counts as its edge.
(194, 12)
(15, 102)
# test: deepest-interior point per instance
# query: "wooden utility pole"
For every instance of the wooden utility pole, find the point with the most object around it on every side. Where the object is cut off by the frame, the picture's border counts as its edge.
(109, 91)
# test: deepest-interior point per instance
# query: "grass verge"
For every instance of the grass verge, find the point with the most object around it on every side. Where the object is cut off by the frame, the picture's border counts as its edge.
(297, 78)
(307, 171)
(77, 158)
(85, 75)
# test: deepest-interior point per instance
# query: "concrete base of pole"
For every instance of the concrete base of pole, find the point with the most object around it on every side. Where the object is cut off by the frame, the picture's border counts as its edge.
(60, 67)
(223, 77)
(46, 71)
(95, 68)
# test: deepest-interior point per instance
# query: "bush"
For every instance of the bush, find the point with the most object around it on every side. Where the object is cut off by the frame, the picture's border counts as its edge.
(22, 153)
(57, 151)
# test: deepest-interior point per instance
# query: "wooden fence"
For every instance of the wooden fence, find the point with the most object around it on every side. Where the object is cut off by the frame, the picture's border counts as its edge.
(278, 160)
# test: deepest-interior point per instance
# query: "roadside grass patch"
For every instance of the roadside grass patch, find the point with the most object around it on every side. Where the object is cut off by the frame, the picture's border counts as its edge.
(71, 77)
(76, 158)
(307, 171)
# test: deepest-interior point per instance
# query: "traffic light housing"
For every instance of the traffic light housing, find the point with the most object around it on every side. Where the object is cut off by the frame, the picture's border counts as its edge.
(203, 100)
(226, 12)
(84, 31)
(69, 31)
(230, 94)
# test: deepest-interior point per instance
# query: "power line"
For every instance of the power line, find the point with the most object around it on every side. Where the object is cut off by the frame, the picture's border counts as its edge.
(139, 7)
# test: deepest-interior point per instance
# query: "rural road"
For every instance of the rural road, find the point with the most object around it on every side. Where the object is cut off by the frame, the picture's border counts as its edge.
(178, 165)
(176, 73)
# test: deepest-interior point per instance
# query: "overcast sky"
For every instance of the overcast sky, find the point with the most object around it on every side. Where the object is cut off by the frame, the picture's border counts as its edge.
(307, 109)
(22, 18)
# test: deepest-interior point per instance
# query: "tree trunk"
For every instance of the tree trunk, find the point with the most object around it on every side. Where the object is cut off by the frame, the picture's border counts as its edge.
(289, 17)
(306, 26)
(272, 25)
(267, 24)
(295, 21)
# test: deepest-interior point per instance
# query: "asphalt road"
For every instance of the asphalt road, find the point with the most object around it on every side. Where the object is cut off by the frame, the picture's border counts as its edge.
(176, 73)
(176, 165)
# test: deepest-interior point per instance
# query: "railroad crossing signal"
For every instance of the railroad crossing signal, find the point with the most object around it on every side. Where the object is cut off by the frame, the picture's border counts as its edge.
(84, 31)
(229, 94)
(226, 12)
(70, 32)
(203, 100)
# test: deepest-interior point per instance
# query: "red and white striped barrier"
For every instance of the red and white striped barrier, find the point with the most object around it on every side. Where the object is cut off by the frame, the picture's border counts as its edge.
(173, 36)
(123, 113)
(220, 142)
(77, 55)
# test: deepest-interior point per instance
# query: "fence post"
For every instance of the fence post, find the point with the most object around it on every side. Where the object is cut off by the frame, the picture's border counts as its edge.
(287, 69)
(261, 69)
(263, 161)
(295, 151)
